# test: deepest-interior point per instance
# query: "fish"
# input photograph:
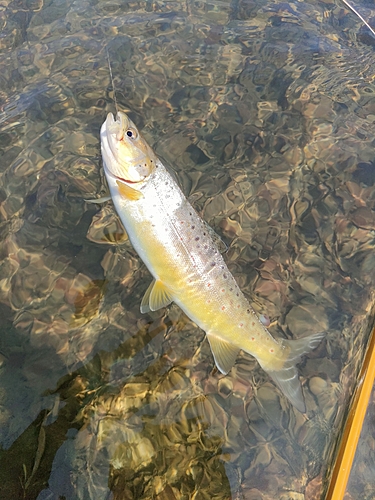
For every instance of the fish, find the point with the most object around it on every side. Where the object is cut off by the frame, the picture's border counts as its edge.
(182, 254)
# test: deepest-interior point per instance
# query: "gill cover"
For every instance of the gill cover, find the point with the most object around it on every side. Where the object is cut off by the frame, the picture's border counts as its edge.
(126, 155)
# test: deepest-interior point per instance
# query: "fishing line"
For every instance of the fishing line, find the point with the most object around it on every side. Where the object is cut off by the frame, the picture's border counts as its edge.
(359, 15)
(112, 82)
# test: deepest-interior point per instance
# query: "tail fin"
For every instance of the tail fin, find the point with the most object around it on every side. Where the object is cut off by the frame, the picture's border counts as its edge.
(287, 378)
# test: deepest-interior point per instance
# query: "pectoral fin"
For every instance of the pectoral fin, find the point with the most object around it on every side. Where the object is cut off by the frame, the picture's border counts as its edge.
(156, 297)
(98, 201)
(128, 192)
(224, 353)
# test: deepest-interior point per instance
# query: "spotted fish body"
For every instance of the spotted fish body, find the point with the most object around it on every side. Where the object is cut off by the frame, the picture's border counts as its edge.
(181, 253)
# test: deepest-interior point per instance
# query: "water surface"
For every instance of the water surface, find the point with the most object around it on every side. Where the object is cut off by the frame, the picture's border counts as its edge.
(266, 112)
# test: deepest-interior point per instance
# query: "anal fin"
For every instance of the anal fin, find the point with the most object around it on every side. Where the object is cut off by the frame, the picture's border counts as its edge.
(224, 353)
(156, 297)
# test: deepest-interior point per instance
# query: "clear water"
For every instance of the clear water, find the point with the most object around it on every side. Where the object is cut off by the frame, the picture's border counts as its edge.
(266, 112)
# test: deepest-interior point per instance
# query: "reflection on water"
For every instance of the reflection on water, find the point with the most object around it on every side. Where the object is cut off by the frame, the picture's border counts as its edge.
(266, 112)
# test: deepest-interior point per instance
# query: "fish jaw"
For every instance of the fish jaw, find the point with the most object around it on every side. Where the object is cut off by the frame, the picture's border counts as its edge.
(126, 155)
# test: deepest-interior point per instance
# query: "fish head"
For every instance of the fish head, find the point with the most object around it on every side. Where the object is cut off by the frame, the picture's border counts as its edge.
(126, 154)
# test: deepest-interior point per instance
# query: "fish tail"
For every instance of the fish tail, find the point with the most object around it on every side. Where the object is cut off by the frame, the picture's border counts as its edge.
(287, 378)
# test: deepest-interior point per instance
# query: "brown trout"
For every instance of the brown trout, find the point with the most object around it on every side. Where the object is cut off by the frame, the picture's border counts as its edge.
(180, 251)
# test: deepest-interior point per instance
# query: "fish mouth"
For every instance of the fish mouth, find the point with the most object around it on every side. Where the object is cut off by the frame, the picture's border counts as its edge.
(113, 130)
(116, 125)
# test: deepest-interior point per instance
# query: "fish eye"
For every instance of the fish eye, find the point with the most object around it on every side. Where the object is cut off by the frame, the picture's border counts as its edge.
(131, 133)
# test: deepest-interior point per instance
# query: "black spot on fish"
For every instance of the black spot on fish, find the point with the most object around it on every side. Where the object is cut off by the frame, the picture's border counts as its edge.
(197, 238)
(225, 276)
(192, 227)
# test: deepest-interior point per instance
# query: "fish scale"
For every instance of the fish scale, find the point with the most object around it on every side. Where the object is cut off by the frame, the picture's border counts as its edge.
(180, 251)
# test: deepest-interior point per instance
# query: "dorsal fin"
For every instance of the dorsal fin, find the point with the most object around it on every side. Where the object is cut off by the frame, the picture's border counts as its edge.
(221, 245)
